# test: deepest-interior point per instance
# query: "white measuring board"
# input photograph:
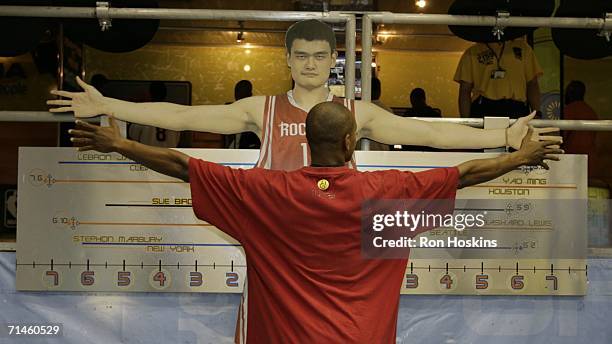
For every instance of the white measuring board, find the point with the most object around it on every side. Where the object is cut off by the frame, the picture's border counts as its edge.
(91, 221)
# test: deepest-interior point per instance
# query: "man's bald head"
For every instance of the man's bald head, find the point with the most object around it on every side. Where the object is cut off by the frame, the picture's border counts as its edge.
(330, 128)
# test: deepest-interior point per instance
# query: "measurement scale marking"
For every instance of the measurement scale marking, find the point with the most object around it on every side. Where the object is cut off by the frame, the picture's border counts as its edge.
(177, 265)
(106, 265)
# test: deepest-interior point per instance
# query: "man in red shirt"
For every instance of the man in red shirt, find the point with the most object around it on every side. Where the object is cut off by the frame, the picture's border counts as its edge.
(579, 142)
(300, 230)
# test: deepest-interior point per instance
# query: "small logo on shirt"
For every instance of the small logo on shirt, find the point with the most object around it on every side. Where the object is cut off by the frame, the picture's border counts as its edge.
(518, 53)
(485, 58)
(323, 184)
(292, 129)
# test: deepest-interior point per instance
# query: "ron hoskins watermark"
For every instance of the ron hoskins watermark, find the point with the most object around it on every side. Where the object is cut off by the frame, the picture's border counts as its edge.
(390, 227)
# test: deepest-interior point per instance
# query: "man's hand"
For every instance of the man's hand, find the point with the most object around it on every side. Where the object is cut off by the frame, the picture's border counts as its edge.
(531, 153)
(84, 104)
(517, 132)
(94, 137)
(108, 139)
(535, 152)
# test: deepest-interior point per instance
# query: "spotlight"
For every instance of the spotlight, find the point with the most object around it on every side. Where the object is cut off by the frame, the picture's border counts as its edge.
(421, 3)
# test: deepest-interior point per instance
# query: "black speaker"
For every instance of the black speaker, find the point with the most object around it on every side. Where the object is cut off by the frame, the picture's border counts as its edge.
(524, 8)
(19, 35)
(124, 35)
(582, 43)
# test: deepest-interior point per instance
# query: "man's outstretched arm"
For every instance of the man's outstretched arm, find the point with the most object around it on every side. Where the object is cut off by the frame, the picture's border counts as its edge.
(385, 127)
(216, 191)
(243, 115)
(531, 153)
(108, 139)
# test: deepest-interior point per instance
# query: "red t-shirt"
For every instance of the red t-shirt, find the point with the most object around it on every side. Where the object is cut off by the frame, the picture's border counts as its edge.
(579, 142)
(307, 280)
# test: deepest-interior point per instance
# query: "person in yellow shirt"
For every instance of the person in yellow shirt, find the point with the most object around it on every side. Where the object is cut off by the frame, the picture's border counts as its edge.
(498, 79)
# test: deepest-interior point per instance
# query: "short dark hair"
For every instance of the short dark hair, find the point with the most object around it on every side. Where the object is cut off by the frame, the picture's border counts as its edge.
(376, 89)
(417, 97)
(98, 81)
(310, 30)
(327, 124)
(243, 89)
(574, 91)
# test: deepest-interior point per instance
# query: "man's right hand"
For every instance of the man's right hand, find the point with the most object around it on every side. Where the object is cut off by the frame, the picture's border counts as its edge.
(84, 104)
(535, 152)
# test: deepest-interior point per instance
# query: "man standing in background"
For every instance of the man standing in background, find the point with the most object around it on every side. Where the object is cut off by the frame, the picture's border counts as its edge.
(498, 79)
(579, 142)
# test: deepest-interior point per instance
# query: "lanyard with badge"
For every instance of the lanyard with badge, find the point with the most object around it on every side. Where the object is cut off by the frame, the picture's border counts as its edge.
(499, 73)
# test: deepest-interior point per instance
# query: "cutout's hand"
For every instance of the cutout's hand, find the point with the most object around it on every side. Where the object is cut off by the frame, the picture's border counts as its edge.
(535, 152)
(89, 136)
(84, 104)
(518, 131)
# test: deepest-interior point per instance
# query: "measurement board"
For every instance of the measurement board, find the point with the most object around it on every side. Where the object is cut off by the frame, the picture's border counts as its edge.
(91, 221)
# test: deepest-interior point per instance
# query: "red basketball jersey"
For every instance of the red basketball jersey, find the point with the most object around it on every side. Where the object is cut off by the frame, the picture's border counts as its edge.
(283, 145)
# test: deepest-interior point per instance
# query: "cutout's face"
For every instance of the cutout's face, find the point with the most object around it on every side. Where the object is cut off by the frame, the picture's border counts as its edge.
(310, 62)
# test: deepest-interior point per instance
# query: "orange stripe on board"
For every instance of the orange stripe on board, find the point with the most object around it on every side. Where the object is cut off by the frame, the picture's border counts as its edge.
(519, 186)
(145, 224)
(117, 181)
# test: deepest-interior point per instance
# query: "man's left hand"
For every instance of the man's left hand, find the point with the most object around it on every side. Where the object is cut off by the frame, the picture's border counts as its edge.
(88, 136)
(519, 129)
